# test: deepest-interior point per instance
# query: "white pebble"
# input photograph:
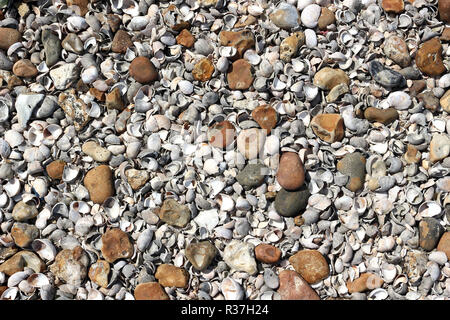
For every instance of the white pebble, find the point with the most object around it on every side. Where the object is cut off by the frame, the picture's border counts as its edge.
(310, 38)
(310, 15)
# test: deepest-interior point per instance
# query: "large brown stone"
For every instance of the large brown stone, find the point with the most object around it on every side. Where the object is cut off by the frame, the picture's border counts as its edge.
(24, 68)
(171, 276)
(265, 116)
(385, 116)
(327, 78)
(8, 36)
(99, 182)
(143, 70)
(294, 287)
(429, 58)
(291, 173)
(444, 244)
(116, 245)
(241, 40)
(150, 291)
(311, 265)
(121, 42)
(240, 76)
(395, 6)
(267, 253)
(329, 127)
(20, 260)
(444, 10)
(55, 169)
(185, 38)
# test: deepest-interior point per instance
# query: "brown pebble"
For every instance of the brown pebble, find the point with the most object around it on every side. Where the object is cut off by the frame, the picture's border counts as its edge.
(143, 70)
(240, 76)
(385, 116)
(8, 37)
(445, 36)
(24, 68)
(267, 253)
(113, 21)
(82, 6)
(328, 126)
(311, 265)
(221, 134)
(121, 42)
(99, 272)
(265, 116)
(99, 182)
(241, 40)
(55, 169)
(294, 287)
(150, 291)
(429, 58)
(203, 70)
(444, 244)
(185, 38)
(116, 245)
(14, 81)
(171, 276)
(417, 87)
(395, 6)
(114, 100)
(23, 234)
(291, 172)
(444, 10)
(326, 18)
(366, 281)
(99, 95)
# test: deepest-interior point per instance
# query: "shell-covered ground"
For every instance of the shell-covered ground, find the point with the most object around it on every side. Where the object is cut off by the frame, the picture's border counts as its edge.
(215, 149)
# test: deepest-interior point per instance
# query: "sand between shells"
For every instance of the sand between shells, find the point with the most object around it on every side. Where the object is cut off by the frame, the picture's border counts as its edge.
(213, 149)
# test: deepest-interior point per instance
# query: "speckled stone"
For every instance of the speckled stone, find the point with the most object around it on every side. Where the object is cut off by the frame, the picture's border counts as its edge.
(252, 176)
(353, 165)
(430, 231)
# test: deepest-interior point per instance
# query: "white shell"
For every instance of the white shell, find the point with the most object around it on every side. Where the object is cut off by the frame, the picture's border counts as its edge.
(231, 289)
(44, 248)
(399, 100)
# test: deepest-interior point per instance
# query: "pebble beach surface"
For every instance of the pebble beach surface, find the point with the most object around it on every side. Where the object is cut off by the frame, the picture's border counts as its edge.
(218, 149)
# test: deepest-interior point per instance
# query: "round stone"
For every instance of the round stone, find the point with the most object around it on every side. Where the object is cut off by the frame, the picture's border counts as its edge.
(221, 134)
(174, 213)
(71, 265)
(327, 78)
(99, 182)
(201, 254)
(55, 169)
(239, 256)
(291, 173)
(99, 272)
(430, 231)
(24, 68)
(329, 127)
(444, 244)
(384, 116)
(171, 276)
(267, 253)
(23, 234)
(292, 203)
(429, 58)
(265, 116)
(353, 165)
(396, 49)
(240, 76)
(121, 42)
(116, 245)
(22, 211)
(311, 265)
(8, 37)
(203, 70)
(185, 38)
(294, 287)
(143, 70)
(150, 291)
(252, 176)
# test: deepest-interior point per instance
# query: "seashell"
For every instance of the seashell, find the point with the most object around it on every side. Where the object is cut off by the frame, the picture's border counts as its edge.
(89, 75)
(389, 272)
(144, 239)
(12, 187)
(44, 248)
(222, 64)
(399, 100)
(310, 91)
(5, 149)
(76, 23)
(17, 277)
(70, 172)
(9, 294)
(429, 209)
(231, 289)
(414, 195)
(378, 294)
(112, 209)
(226, 202)
(38, 280)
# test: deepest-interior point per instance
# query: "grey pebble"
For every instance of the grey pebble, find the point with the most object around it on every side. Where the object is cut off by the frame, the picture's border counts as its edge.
(271, 279)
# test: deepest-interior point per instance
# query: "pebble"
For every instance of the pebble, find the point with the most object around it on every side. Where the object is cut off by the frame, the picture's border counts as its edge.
(327, 78)
(366, 281)
(5, 63)
(429, 100)
(311, 265)
(271, 279)
(250, 142)
(267, 253)
(294, 287)
(52, 47)
(445, 101)
(285, 16)
(203, 70)
(396, 49)
(73, 43)
(289, 46)
(444, 244)
(150, 291)
(438, 256)
(23, 234)
(291, 203)
(24, 68)
(21, 260)
(252, 176)
(412, 154)
(96, 152)
(221, 134)
(439, 147)
(137, 178)
(174, 213)
(387, 77)
(121, 42)
(143, 70)
(395, 6)
(185, 38)
(80, 6)
(265, 116)
(201, 254)
(336, 92)
(65, 76)
(240, 75)
(241, 40)
(430, 231)
(8, 37)
(25, 105)
(231, 289)
(116, 245)
(429, 58)
(99, 182)
(71, 265)
(384, 116)
(99, 273)
(239, 256)
(354, 166)
(444, 10)
(23, 212)
(417, 87)
(114, 100)
(326, 18)
(329, 127)
(171, 276)
(291, 172)
(310, 15)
